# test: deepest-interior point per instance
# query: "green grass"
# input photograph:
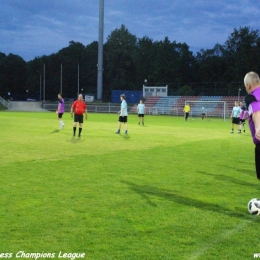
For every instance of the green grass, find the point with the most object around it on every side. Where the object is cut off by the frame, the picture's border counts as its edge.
(169, 190)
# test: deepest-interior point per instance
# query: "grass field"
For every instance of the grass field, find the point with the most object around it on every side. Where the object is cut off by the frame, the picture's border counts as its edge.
(168, 190)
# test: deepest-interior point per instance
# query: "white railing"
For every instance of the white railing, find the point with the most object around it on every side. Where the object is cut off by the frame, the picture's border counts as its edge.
(4, 102)
(162, 110)
(91, 108)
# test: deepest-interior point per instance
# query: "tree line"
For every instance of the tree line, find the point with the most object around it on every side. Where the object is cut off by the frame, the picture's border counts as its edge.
(128, 62)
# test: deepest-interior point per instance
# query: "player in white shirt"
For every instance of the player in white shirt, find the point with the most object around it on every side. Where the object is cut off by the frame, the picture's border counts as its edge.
(123, 115)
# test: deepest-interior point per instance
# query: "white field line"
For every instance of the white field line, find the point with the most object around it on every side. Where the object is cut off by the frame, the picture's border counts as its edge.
(217, 240)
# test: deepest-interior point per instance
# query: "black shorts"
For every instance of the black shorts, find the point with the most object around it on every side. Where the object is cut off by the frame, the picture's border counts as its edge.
(60, 115)
(122, 119)
(140, 115)
(235, 120)
(242, 121)
(78, 118)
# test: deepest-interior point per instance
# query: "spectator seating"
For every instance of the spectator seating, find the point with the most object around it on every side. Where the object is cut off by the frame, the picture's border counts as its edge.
(174, 105)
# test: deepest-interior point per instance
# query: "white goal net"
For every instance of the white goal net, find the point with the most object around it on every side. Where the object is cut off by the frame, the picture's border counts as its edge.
(210, 108)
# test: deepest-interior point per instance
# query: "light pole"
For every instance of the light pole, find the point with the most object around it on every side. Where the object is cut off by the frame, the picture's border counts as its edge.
(61, 78)
(44, 83)
(40, 85)
(238, 95)
(78, 79)
(100, 50)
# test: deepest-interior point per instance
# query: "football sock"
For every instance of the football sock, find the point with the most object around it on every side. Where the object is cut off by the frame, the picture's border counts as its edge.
(257, 161)
(80, 129)
(74, 130)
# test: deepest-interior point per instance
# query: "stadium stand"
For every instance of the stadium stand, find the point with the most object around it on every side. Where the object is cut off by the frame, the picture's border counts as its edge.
(177, 109)
(174, 105)
(26, 106)
(165, 104)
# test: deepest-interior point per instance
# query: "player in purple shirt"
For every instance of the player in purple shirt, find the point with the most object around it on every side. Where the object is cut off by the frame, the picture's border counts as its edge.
(242, 117)
(60, 111)
(252, 85)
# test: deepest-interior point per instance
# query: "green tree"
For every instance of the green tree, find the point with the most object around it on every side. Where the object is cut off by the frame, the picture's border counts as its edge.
(145, 65)
(71, 59)
(119, 61)
(211, 67)
(90, 64)
(13, 75)
(242, 52)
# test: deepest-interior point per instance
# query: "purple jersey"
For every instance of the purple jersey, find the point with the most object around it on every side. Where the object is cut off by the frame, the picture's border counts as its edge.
(61, 106)
(243, 113)
(252, 108)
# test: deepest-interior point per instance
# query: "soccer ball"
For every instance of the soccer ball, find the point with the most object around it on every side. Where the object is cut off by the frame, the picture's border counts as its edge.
(254, 206)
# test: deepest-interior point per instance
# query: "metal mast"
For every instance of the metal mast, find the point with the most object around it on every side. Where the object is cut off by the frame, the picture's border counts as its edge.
(100, 50)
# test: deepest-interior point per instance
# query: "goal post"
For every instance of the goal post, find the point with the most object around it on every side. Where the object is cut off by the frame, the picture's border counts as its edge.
(214, 108)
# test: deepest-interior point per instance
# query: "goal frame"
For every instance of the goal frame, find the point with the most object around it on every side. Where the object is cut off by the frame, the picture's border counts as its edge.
(204, 102)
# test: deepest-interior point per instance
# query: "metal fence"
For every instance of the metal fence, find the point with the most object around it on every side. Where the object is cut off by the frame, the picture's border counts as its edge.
(91, 108)
(163, 110)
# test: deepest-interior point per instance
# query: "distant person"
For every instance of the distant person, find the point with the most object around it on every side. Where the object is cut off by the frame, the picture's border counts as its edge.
(235, 118)
(60, 111)
(252, 85)
(242, 117)
(123, 115)
(79, 107)
(140, 111)
(186, 110)
(203, 112)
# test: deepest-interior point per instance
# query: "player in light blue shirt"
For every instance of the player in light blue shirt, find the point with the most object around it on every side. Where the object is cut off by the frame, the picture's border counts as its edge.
(235, 117)
(140, 111)
(123, 115)
(203, 112)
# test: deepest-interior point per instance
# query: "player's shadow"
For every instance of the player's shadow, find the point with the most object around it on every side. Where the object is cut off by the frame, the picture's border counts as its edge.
(75, 140)
(147, 192)
(124, 136)
(55, 131)
(240, 170)
(226, 178)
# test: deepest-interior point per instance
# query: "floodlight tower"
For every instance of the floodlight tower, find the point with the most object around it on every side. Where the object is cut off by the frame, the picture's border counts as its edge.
(100, 50)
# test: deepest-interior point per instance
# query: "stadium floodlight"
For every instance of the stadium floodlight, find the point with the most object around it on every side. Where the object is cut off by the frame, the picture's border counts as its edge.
(238, 95)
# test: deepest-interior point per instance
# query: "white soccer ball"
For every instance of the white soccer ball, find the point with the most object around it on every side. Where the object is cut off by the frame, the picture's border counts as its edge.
(254, 206)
